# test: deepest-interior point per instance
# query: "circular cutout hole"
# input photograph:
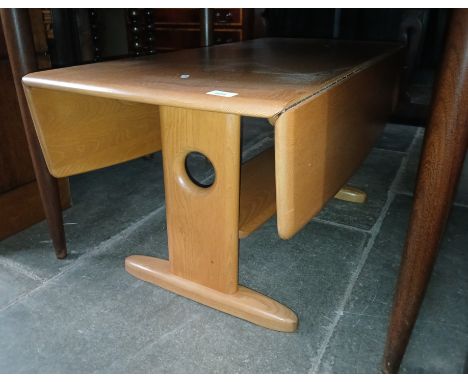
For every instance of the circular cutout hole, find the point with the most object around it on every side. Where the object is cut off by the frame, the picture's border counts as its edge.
(199, 169)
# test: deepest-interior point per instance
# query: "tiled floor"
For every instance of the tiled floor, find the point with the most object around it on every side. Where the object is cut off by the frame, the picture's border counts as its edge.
(86, 314)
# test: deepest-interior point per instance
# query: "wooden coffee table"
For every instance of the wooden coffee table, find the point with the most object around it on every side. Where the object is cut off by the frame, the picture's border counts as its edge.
(327, 100)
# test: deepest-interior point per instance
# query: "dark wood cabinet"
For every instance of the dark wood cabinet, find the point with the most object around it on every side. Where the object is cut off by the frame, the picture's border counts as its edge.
(77, 36)
(20, 203)
(162, 29)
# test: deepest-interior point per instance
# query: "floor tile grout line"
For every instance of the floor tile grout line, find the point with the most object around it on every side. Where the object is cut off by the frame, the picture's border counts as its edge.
(95, 251)
(15, 266)
(392, 151)
(410, 194)
(316, 362)
(365, 254)
(405, 154)
(150, 343)
(402, 192)
(341, 225)
(404, 164)
(420, 133)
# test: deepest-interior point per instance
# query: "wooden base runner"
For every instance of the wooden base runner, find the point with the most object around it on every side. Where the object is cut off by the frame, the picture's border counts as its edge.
(245, 303)
(351, 194)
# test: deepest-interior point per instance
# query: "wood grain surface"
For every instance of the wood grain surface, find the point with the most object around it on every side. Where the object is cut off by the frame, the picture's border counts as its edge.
(257, 193)
(202, 223)
(321, 142)
(243, 303)
(79, 133)
(15, 163)
(268, 75)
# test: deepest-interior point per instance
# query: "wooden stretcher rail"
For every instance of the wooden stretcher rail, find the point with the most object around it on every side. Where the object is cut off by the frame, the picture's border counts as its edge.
(257, 192)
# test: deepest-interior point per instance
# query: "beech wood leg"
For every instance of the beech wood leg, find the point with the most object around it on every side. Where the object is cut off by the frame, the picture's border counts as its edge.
(440, 165)
(18, 37)
(203, 223)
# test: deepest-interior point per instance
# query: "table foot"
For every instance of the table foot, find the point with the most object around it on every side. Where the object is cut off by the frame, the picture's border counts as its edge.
(351, 194)
(244, 303)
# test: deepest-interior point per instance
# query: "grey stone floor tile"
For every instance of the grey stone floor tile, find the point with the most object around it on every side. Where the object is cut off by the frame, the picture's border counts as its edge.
(87, 318)
(307, 267)
(462, 192)
(374, 176)
(97, 318)
(396, 137)
(94, 317)
(13, 284)
(408, 179)
(212, 344)
(440, 339)
(104, 203)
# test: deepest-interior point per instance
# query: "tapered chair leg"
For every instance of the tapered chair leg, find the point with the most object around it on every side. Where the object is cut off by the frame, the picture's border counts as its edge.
(440, 166)
(19, 42)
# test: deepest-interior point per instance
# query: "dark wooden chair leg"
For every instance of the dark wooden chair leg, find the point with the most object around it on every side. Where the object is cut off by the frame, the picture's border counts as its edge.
(20, 46)
(441, 162)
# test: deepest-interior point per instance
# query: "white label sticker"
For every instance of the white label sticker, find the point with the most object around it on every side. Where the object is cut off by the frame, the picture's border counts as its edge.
(220, 93)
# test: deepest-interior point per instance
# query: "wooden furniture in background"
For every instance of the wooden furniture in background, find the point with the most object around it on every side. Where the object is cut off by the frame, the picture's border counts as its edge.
(444, 150)
(24, 182)
(196, 99)
(180, 28)
(77, 36)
